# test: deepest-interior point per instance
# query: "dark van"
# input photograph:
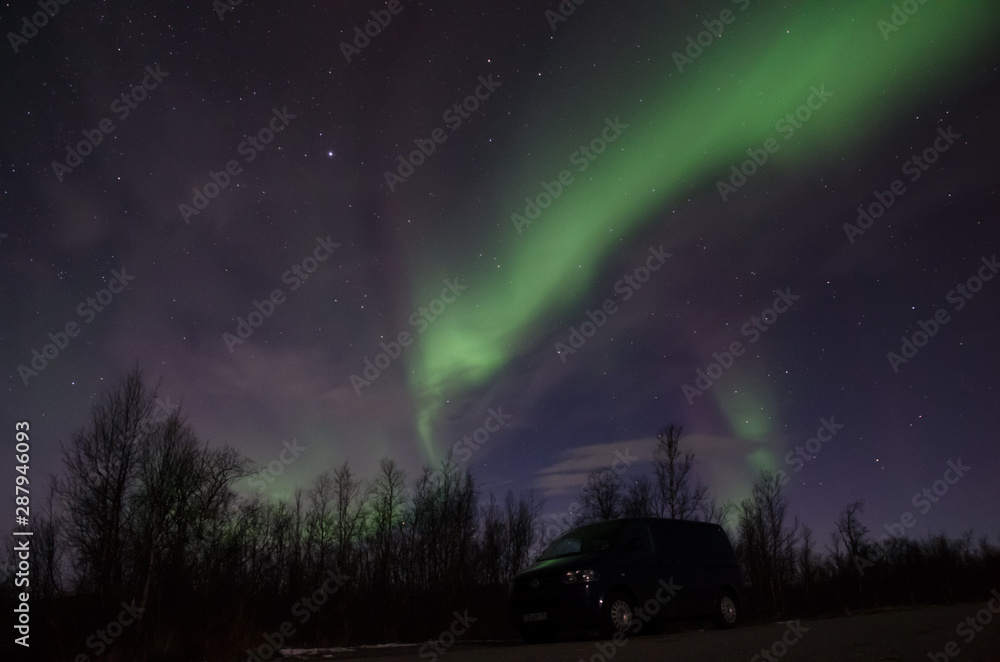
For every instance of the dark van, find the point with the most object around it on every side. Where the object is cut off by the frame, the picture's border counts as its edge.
(620, 575)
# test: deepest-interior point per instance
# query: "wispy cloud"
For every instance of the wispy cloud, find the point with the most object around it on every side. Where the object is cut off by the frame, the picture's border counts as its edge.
(569, 473)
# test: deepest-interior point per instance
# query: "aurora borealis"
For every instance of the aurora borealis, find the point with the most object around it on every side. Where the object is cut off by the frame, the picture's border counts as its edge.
(732, 108)
(736, 137)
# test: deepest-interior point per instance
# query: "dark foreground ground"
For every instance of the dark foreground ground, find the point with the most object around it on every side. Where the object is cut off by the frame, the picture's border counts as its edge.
(884, 636)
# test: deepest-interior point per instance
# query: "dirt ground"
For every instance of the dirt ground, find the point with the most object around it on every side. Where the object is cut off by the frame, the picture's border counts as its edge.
(912, 634)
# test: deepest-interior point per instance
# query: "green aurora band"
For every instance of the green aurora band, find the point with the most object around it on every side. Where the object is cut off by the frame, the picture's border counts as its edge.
(693, 128)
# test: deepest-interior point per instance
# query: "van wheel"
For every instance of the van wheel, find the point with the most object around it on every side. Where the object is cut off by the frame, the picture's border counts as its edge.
(727, 611)
(619, 614)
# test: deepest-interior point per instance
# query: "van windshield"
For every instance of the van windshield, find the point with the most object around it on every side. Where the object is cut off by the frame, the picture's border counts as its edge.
(585, 540)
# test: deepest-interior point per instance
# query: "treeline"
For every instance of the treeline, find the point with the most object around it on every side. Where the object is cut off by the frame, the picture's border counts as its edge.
(145, 548)
(786, 571)
(146, 520)
(855, 569)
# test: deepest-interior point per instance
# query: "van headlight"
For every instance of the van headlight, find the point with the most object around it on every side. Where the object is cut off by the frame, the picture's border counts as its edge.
(581, 577)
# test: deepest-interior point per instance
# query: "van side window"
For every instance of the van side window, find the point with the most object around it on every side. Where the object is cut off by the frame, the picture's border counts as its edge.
(677, 542)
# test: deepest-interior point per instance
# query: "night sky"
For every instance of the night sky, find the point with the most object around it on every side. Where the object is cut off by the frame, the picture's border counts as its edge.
(519, 234)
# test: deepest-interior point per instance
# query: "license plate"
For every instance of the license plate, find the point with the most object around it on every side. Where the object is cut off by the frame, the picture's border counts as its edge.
(537, 616)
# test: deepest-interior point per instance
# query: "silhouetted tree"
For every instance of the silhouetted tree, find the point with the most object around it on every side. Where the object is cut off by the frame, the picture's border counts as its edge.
(602, 497)
(680, 495)
(718, 514)
(388, 500)
(854, 536)
(640, 501)
(319, 525)
(807, 561)
(180, 486)
(102, 464)
(765, 544)
(493, 543)
(47, 570)
(440, 527)
(521, 530)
